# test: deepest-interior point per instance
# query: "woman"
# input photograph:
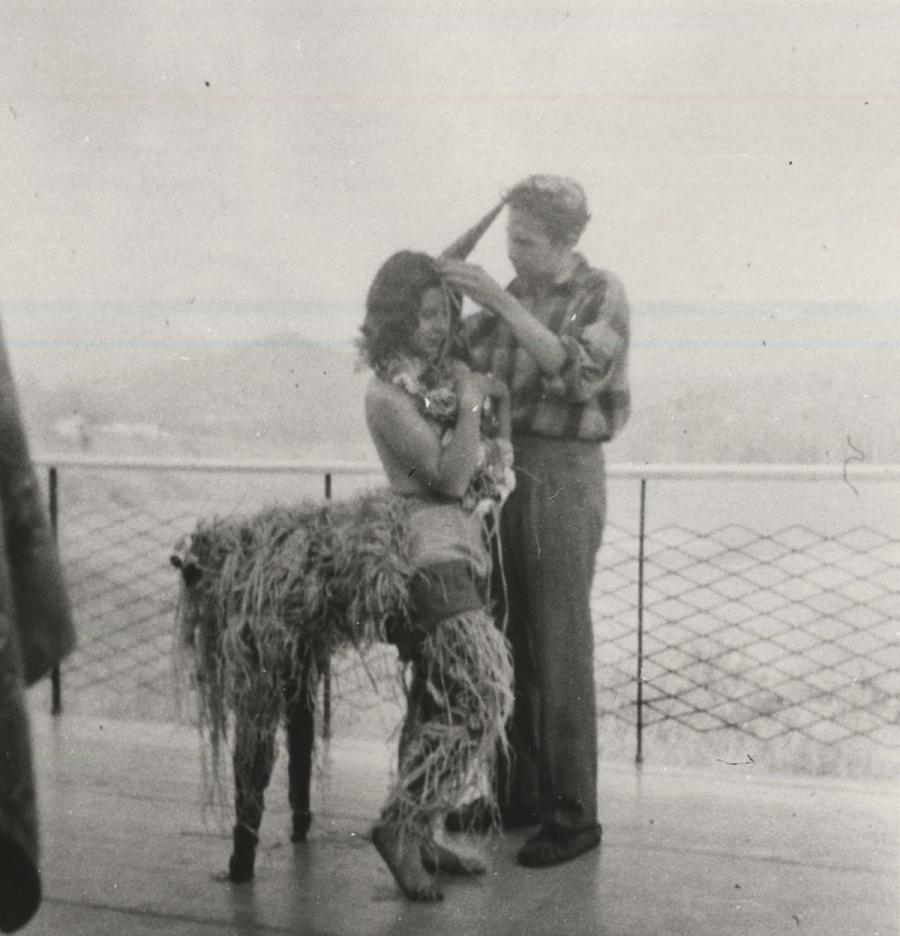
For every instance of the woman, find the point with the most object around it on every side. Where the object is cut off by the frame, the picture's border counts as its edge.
(441, 432)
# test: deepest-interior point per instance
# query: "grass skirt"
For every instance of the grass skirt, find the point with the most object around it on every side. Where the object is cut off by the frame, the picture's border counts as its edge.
(457, 706)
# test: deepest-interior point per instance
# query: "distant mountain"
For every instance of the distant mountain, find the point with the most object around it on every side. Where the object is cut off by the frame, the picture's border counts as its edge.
(278, 398)
(57, 343)
(726, 385)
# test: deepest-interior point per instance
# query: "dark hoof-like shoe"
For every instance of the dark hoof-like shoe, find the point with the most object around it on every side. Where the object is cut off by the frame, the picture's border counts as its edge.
(243, 857)
(300, 826)
(553, 845)
(240, 869)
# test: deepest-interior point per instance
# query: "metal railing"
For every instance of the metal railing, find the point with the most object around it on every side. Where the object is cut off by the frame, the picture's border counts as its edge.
(775, 629)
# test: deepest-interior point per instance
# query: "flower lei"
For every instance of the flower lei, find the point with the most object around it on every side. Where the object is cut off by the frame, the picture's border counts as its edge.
(431, 386)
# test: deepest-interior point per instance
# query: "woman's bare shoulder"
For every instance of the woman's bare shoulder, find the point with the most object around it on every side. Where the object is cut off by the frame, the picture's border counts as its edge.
(383, 399)
(380, 392)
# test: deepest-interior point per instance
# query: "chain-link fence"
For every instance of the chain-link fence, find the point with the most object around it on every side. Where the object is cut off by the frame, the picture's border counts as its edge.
(788, 636)
(773, 628)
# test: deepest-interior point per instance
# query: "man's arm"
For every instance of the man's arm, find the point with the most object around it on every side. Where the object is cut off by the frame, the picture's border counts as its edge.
(596, 351)
(540, 342)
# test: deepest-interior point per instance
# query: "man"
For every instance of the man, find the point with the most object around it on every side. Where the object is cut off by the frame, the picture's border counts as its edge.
(559, 337)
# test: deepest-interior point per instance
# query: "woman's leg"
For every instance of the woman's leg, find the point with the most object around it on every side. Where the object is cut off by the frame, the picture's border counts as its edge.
(397, 836)
(458, 702)
(434, 855)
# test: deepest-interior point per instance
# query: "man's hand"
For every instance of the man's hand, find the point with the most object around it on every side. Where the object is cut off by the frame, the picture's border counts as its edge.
(541, 343)
(472, 388)
(474, 282)
(468, 388)
(495, 387)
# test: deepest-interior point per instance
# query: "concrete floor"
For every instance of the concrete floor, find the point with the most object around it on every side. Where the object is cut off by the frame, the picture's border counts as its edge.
(728, 850)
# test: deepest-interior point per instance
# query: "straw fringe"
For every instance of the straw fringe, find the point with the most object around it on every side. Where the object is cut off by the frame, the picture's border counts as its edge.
(273, 595)
(460, 701)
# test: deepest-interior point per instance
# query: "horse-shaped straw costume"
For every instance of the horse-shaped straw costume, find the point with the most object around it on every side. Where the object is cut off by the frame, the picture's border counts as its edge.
(265, 601)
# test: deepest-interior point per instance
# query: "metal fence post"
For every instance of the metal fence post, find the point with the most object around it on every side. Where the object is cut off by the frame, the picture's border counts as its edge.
(639, 726)
(326, 666)
(55, 675)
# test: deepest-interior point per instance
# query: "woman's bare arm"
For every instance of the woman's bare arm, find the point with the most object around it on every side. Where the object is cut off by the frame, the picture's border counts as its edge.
(412, 445)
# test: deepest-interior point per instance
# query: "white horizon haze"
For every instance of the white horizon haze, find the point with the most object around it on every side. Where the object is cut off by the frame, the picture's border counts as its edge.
(172, 170)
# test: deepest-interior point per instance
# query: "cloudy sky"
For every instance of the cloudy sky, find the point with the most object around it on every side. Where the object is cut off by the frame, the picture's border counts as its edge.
(219, 152)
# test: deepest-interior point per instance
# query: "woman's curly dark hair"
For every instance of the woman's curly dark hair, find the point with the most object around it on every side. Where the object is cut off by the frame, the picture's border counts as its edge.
(393, 305)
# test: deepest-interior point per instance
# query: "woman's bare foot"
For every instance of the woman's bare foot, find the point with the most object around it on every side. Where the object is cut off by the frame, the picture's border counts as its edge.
(401, 851)
(437, 857)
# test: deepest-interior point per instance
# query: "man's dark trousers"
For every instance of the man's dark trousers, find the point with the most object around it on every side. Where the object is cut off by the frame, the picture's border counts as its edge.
(551, 528)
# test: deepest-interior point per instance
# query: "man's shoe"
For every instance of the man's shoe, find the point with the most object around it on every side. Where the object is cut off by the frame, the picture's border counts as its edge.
(553, 845)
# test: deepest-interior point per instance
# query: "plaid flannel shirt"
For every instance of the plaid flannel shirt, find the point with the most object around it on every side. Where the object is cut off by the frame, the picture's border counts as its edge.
(589, 399)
